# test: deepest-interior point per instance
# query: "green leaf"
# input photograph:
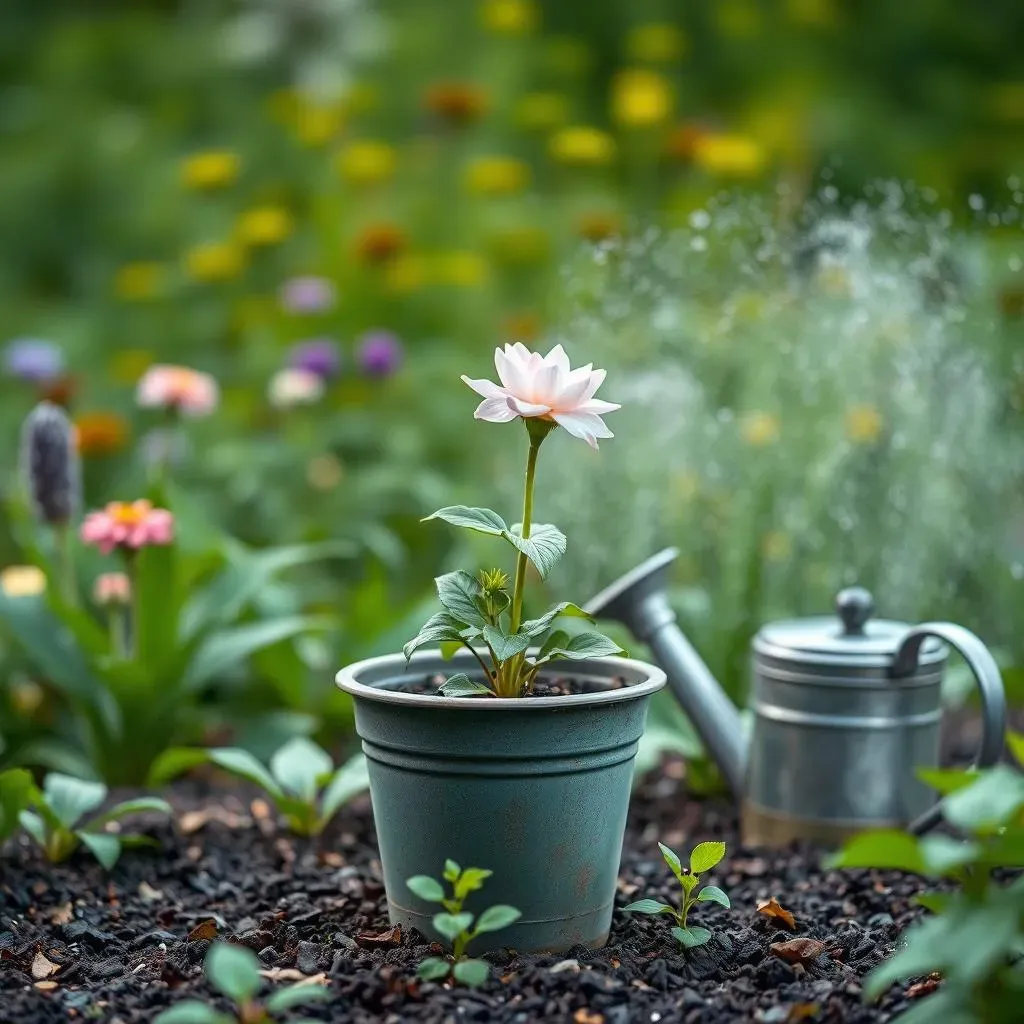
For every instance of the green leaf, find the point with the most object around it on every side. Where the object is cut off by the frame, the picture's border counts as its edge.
(298, 767)
(191, 1011)
(940, 854)
(712, 894)
(544, 547)
(483, 520)
(451, 871)
(224, 650)
(947, 780)
(648, 907)
(351, 779)
(691, 937)
(579, 647)
(924, 949)
(34, 826)
(472, 972)
(302, 994)
(449, 648)
(672, 860)
(689, 882)
(460, 685)
(69, 798)
(493, 919)
(157, 606)
(991, 801)
(880, 848)
(451, 926)
(137, 806)
(241, 762)
(441, 628)
(940, 1007)
(506, 646)
(15, 790)
(470, 880)
(105, 848)
(705, 856)
(233, 970)
(936, 902)
(174, 762)
(427, 888)
(1015, 741)
(433, 969)
(534, 627)
(459, 592)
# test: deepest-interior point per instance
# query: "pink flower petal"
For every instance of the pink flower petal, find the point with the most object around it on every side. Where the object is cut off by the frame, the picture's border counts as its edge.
(485, 388)
(528, 409)
(597, 407)
(584, 425)
(495, 410)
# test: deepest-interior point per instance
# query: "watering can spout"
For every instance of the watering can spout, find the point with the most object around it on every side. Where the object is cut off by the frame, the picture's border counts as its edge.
(638, 600)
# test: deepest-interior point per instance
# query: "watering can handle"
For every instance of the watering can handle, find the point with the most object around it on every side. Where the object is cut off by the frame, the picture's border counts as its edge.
(990, 683)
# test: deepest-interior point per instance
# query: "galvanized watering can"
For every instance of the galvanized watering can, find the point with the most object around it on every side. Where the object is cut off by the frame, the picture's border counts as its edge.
(846, 708)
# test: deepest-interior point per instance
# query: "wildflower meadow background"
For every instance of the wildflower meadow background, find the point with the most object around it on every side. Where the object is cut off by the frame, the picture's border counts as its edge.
(250, 247)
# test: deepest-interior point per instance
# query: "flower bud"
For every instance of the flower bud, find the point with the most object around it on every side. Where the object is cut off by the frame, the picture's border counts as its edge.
(112, 588)
(49, 464)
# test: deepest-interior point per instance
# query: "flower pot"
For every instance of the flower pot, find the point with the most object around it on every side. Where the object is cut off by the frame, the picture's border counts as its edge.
(535, 790)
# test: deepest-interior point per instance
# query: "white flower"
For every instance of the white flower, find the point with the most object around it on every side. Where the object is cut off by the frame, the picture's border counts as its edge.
(294, 387)
(545, 387)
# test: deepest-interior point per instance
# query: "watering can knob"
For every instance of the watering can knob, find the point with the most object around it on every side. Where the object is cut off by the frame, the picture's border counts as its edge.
(855, 606)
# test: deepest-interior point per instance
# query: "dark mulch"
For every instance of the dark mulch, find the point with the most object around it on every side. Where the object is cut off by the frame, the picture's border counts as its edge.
(131, 943)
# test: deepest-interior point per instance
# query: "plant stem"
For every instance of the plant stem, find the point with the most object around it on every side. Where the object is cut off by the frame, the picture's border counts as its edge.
(119, 632)
(66, 565)
(522, 560)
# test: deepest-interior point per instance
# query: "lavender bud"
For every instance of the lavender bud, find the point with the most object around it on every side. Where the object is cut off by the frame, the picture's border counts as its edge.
(49, 464)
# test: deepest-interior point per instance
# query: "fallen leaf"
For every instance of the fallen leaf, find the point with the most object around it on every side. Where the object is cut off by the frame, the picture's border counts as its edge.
(584, 1016)
(802, 1011)
(391, 937)
(778, 913)
(64, 914)
(43, 968)
(924, 988)
(204, 930)
(291, 974)
(40, 888)
(193, 821)
(46, 986)
(331, 859)
(148, 893)
(798, 951)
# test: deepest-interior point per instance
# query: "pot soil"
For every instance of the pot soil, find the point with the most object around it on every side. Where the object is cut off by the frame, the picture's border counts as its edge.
(127, 944)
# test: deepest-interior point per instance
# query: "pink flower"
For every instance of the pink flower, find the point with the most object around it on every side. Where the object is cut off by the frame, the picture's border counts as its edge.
(294, 387)
(112, 588)
(128, 525)
(544, 386)
(178, 387)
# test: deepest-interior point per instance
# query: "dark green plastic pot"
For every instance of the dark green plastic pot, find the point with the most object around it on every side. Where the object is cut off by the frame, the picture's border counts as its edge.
(536, 790)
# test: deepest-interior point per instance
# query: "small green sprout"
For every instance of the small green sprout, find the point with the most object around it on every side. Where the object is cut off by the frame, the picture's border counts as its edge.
(703, 858)
(15, 792)
(456, 925)
(54, 823)
(235, 972)
(302, 780)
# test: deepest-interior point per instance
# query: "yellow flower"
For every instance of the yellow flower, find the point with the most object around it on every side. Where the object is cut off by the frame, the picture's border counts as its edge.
(760, 429)
(128, 365)
(214, 261)
(509, 17)
(324, 472)
(135, 282)
(656, 43)
(541, 111)
(460, 268)
(496, 176)
(863, 424)
(26, 696)
(582, 146)
(215, 169)
(458, 103)
(22, 581)
(738, 19)
(731, 155)
(316, 124)
(599, 225)
(406, 274)
(265, 225)
(366, 162)
(640, 98)
(776, 546)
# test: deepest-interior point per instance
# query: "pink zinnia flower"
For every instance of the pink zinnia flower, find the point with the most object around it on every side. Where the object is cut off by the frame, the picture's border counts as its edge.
(533, 385)
(178, 387)
(128, 525)
(112, 588)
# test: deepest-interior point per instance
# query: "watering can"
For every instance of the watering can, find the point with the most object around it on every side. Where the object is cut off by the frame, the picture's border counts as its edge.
(846, 709)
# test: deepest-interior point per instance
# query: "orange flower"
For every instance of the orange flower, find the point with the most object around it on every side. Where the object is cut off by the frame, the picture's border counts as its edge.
(61, 391)
(100, 433)
(599, 225)
(682, 143)
(379, 243)
(458, 103)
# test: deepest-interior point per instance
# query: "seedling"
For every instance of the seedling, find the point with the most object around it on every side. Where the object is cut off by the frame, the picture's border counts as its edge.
(56, 821)
(457, 925)
(703, 858)
(302, 780)
(235, 972)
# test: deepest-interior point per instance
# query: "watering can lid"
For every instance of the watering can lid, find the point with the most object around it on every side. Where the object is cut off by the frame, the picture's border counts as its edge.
(850, 636)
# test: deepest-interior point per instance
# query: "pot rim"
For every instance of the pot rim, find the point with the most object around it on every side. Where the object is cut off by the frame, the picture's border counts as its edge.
(651, 679)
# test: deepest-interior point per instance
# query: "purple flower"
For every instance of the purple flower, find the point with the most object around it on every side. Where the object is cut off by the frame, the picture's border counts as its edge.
(307, 295)
(33, 359)
(380, 353)
(318, 355)
(49, 464)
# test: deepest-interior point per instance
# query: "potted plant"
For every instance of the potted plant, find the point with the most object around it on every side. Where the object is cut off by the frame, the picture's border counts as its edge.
(489, 748)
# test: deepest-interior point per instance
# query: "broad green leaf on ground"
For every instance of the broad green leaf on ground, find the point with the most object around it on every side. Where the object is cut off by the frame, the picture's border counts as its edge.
(348, 781)
(15, 791)
(692, 937)
(472, 972)
(298, 767)
(233, 970)
(105, 848)
(241, 762)
(69, 798)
